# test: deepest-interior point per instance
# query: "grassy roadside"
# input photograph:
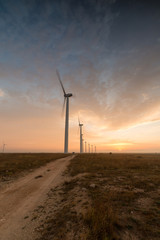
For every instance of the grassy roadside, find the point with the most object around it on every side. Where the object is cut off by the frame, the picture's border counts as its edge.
(124, 192)
(106, 197)
(12, 164)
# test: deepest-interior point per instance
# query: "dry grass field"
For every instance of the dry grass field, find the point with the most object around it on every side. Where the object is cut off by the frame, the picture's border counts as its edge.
(106, 197)
(103, 196)
(14, 164)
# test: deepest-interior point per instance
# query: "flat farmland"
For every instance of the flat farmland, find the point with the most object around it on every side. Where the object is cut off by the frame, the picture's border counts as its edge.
(81, 197)
(107, 196)
(14, 164)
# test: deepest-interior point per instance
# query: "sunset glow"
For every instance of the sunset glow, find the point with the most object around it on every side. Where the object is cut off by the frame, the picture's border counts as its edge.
(108, 55)
(121, 146)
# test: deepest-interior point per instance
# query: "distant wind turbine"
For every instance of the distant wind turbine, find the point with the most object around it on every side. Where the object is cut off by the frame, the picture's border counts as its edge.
(66, 101)
(85, 146)
(81, 139)
(3, 147)
(88, 147)
(95, 149)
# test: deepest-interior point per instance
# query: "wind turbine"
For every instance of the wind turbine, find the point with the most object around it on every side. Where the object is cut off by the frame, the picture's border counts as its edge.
(3, 148)
(66, 101)
(88, 147)
(81, 140)
(85, 146)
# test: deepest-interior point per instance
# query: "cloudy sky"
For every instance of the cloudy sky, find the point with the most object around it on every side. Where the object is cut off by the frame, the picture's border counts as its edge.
(108, 56)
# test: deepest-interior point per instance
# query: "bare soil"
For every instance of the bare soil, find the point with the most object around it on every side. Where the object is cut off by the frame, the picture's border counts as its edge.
(20, 199)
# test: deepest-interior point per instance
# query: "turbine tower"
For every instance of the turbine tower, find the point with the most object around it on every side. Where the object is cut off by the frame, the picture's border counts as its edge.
(85, 146)
(3, 148)
(81, 136)
(82, 144)
(66, 101)
(88, 147)
(95, 149)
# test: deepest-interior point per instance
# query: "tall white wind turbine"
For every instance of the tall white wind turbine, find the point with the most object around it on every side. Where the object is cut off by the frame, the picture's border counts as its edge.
(81, 136)
(66, 101)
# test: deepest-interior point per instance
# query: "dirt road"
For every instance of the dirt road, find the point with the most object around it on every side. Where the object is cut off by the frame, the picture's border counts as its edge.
(20, 198)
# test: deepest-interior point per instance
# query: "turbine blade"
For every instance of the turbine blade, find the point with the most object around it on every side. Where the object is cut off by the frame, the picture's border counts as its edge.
(78, 120)
(59, 78)
(63, 106)
(78, 130)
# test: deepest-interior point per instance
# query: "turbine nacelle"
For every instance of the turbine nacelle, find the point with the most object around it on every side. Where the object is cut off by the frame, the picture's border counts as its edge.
(68, 95)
